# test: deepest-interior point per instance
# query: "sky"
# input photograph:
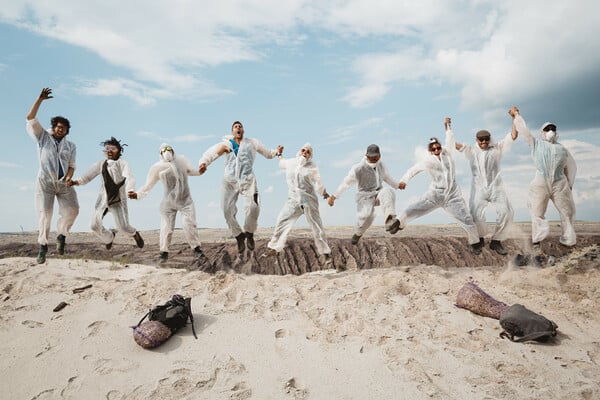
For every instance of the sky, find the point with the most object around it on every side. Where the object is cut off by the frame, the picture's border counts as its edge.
(338, 74)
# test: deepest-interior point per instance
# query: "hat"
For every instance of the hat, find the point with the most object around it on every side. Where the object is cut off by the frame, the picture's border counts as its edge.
(373, 150)
(483, 134)
(547, 124)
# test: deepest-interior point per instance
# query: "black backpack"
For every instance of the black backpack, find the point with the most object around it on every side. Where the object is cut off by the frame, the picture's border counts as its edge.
(174, 314)
(517, 320)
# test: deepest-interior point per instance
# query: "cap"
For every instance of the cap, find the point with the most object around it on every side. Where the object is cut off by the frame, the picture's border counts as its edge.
(548, 124)
(373, 150)
(483, 134)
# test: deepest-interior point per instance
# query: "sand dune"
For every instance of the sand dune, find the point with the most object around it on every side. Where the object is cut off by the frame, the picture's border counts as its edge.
(382, 333)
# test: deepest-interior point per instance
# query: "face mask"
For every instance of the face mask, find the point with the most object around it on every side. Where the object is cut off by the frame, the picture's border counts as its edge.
(167, 156)
(550, 136)
(302, 161)
(372, 164)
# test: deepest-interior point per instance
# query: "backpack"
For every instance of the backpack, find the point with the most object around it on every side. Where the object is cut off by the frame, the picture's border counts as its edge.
(517, 320)
(163, 321)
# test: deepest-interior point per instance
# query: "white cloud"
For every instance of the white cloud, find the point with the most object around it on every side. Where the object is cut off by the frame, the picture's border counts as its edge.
(4, 164)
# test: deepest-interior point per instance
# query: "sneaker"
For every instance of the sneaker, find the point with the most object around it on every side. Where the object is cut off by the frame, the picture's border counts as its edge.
(497, 246)
(138, 240)
(355, 239)
(250, 240)
(60, 244)
(164, 256)
(109, 245)
(41, 258)
(240, 242)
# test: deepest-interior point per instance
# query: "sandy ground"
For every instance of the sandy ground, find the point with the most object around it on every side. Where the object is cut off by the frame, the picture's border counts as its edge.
(385, 333)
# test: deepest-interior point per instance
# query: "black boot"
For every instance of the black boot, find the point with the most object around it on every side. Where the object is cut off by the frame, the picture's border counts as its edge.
(138, 240)
(250, 240)
(60, 244)
(164, 256)
(497, 246)
(240, 242)
(41, 258)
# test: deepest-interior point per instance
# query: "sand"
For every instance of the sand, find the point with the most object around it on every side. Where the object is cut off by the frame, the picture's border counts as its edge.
(385, 333)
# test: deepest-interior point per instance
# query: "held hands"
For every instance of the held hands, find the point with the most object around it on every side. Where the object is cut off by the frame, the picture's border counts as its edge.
(202, 168)
(132, 195)
(331, 200)
(70, 182)
(447, 122)
(402, 185)
(279, 150)
(325, 194)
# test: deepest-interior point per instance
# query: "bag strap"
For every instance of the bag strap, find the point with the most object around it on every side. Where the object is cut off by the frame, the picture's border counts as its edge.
(143, 318)
(187, 306)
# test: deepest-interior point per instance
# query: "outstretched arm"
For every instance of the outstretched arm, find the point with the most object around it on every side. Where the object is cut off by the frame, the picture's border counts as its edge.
(211, 155)
(520, 126)
(44, 95)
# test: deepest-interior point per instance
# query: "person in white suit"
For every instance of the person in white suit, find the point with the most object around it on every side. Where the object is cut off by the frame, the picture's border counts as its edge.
(555, 171)
(117, 181)
(173, 171)
(486, 186)
(443, 191)
(304, 188)
(239, 179)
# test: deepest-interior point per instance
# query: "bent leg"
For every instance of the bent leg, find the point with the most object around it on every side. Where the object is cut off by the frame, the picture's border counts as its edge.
(68, 208)
(457, 208)
(538, 203)
(563, 201)
(288, 215)
(229, 197)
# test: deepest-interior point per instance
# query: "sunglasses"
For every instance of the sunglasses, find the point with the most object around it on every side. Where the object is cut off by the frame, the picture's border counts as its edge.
(436, 148)
(168, 148)
(110, 147)
(550, 128)
(484, 139)
(305, 151)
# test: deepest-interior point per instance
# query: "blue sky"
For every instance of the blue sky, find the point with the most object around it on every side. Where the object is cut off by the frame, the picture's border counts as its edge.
(338, 74)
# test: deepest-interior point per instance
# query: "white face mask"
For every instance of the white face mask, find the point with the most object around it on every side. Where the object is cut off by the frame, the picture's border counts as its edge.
(167, 156)
(372, 164)
(302, 161)
(550, 136)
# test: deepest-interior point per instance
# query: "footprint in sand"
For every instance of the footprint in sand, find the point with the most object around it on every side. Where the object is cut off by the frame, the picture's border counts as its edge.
(32, 324)
(292, 389)
(96, 327)
(281, 333)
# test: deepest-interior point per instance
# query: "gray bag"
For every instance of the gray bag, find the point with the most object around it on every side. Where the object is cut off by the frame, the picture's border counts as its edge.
(517, 320)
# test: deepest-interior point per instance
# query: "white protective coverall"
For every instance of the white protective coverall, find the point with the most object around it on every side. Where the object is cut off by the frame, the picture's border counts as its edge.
(53, 156)
(443, 190)
(118, 170)
(239, 179)
(555, 171)
(304, 188)
(487, 187)
(369, 178)
(176, 198)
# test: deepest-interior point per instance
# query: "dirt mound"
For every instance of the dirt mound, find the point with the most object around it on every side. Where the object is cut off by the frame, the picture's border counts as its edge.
(446, 249)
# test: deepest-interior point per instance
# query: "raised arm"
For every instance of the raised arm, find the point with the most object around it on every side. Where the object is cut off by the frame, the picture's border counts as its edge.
(33, 126)
(520, 126)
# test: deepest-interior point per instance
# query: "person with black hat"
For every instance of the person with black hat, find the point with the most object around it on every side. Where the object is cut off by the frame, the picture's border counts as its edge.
(486, 185)
(117, 181)
(555, 171)
(369, 175)
(443, 191)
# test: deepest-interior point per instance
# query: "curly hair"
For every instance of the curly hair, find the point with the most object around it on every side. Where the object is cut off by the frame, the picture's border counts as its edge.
(60, 120)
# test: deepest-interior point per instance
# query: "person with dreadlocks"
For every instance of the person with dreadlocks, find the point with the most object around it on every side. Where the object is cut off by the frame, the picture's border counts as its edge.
(117, 181)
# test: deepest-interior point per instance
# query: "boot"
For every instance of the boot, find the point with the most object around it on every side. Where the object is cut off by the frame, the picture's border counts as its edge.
(164, 256)
(497, 246)
(355, 239)
(138, 240)
(41, 258)
(250, 240)
(60, 244)
(240, 242)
